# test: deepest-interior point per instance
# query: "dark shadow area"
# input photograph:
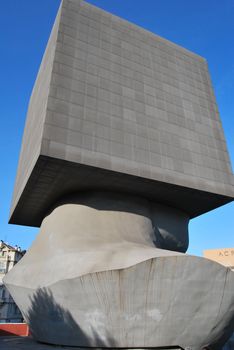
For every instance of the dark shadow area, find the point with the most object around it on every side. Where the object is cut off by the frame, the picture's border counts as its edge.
(227, 333)
(51, 179)
(50, 323)
(7, 334)
(108, 201)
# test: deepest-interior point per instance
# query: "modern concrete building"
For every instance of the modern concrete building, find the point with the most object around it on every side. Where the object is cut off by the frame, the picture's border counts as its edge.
(137, 109)
(123, 145)
(9, 256)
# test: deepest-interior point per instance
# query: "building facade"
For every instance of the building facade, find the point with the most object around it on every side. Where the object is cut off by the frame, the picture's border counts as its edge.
(9, 256)
(118, 108)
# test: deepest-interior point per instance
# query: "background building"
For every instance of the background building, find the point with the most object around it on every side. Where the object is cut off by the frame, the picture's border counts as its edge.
(9, 256)
(224, 256)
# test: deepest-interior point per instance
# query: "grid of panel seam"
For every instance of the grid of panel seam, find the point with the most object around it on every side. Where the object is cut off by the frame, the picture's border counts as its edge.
(132, 98)
(32, 138)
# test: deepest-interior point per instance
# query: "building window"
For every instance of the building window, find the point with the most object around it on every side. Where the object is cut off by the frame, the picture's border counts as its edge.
(3, 293)
(2, 267)
(16, 309)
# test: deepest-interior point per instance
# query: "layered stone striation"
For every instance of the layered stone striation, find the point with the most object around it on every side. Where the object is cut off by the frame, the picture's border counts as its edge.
(116, 107)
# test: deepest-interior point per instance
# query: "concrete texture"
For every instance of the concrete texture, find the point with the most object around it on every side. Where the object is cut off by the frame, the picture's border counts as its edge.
(22, 343)
(120, 101)
(54, 178)
(155, 303)
(94, 277)
(98, 232)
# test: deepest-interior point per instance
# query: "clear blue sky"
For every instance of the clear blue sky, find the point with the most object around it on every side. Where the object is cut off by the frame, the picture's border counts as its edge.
(203, 26)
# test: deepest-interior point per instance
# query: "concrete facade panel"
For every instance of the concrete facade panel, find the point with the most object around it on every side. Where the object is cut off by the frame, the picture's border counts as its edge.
(37, 110)
(125, 100)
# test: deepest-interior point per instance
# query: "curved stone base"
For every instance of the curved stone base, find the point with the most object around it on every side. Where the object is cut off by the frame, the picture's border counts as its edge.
(94, 278)
(27, 343)
(168, 301)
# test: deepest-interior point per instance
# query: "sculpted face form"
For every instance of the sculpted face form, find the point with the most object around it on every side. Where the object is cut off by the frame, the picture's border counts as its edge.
(110, 275)
(102, 231)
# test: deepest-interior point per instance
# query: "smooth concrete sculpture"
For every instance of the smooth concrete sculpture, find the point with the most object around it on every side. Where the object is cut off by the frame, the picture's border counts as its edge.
(122, 147)
(94, 278)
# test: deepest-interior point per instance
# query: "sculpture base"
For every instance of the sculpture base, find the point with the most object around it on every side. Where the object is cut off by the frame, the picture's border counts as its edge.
(166, 301)
(27, 343)
(94, 278)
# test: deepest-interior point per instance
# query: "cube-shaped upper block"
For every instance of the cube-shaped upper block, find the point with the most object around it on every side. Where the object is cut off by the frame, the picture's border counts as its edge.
(116, 107)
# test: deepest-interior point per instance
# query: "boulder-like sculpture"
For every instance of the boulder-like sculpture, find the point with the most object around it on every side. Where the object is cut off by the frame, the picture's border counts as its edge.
(122, 147)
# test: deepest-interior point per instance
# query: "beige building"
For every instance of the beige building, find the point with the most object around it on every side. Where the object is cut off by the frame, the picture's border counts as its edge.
(9, 256)
(224, 256)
